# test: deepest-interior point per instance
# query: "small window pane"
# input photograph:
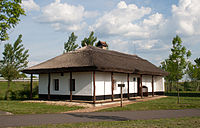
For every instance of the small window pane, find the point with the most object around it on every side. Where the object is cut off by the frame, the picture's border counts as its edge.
(56, 84)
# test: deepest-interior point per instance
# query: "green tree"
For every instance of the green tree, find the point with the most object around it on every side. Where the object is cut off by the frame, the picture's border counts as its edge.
(71, 45)
(89, 41)
(177, 62)
(14, 60)
(10, 11)
(194, 71)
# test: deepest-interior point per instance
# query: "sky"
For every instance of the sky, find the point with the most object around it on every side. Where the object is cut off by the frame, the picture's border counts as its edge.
(142, 27)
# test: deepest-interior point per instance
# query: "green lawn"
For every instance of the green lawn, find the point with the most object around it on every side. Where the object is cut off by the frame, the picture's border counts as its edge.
(15, 86)
(19, 107)
(189, 122)
(161, 104)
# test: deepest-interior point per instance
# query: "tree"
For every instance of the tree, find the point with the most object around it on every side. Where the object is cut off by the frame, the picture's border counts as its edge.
(14, 60)
(177, 62)
(10, 11)
(194, 71)
(70, 44)
(89, 41)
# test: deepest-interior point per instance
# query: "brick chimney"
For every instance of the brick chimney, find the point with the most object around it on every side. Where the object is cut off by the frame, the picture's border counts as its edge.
(102, 44)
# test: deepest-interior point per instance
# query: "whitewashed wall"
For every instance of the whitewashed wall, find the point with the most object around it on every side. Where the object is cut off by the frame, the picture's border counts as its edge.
(159, 84)
(103, 83)
(83, 83)
(133, 84)
(147, 81)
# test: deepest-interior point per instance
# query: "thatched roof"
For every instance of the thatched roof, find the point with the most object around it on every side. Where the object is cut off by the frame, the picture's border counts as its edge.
(90, 58)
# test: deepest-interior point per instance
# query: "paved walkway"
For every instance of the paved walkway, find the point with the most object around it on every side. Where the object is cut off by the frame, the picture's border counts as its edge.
(39, 119)
(5, 113)
(114, 104)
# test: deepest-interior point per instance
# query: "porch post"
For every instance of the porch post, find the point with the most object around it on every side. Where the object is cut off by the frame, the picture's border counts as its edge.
(112, 86)
(141, 93)
(31, 86)
(70, 86)
(128, 86)
(94, 88)
(49, 82)
(152, 85)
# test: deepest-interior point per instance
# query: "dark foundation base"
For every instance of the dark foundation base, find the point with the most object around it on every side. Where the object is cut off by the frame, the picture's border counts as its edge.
(90, 98)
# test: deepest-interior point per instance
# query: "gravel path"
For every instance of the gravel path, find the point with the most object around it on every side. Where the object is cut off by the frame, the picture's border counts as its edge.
(39, 119)
(5, 113)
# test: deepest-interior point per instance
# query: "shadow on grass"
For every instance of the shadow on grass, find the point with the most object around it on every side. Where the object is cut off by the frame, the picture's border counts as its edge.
(111, 118)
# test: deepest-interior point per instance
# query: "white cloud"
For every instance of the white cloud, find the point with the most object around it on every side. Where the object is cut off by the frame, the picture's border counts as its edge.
(30, 5)
(129, 22)
(63, 16)
(187, 17)
(123, 20)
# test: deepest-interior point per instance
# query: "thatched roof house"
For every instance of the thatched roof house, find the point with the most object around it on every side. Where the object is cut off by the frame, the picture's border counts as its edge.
(93, 73)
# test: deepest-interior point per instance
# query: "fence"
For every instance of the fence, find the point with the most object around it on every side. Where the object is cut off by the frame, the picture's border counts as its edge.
(20, 79)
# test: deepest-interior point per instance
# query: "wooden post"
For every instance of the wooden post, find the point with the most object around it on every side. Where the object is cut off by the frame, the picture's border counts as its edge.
(141, 92)
(70, 86)
(112, 86)
(152, 86)
(121, 96)
(49, 82)
(94, 88)
(31, 86)
(121, 86)
(128, 86)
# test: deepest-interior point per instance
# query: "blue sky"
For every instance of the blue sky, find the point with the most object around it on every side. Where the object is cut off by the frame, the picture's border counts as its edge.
(142, 27)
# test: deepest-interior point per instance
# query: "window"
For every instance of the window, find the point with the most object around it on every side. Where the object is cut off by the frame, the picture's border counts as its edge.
(134, 79)
(56, 84)
(72, 85)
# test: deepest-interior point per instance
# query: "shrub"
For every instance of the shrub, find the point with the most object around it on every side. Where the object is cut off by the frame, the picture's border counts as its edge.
(23, 94)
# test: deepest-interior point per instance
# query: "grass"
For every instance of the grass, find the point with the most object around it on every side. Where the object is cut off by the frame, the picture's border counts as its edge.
(161, 104)
(184, 92)
(19, 107)
(188, 122)
(15, 86)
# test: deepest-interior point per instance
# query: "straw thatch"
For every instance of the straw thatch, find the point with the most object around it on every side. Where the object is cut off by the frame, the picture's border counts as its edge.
(91, 58)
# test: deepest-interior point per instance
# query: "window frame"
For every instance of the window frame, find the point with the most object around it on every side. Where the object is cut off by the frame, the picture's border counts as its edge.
(56, 85)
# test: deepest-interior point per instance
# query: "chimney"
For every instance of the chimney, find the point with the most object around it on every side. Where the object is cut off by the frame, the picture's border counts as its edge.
(102, 44)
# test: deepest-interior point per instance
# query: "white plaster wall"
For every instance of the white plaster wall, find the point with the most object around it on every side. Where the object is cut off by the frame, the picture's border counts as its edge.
(43, 84)
(120, 79)
(159, 83)
(83, 83)
(147, 81)
(132, 84)
(103, 83)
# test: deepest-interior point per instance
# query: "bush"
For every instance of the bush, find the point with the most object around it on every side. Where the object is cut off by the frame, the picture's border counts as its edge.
(23, 94)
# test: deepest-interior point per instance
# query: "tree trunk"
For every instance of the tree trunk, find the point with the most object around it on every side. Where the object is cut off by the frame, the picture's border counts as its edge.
(167, 86)
(198, 89)
(178, 93)
(170, 86)
(6, 95)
